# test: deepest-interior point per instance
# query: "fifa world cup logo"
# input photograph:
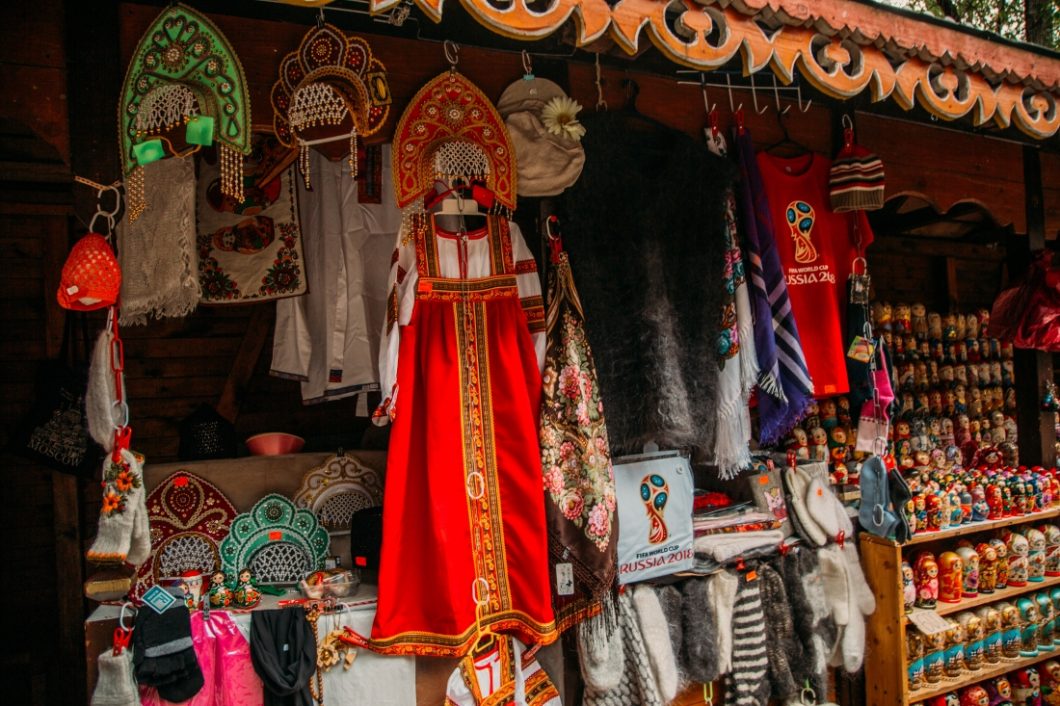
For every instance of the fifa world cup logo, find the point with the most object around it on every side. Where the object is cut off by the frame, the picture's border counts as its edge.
(654, 492)
(800, 220)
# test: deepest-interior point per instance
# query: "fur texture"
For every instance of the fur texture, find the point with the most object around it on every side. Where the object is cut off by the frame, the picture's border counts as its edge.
(782, 648)
(647, 252)
(813, 624)
(701, 633)
(656, 633)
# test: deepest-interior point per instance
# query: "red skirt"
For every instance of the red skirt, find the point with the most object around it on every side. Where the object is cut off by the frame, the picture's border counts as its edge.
(464, 541)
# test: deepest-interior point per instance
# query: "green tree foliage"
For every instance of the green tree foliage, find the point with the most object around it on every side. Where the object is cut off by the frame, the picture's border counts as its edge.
(1036, 21)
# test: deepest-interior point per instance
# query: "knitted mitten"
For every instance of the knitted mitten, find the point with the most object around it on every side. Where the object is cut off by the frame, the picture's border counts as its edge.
(101, 393)
(826, 510)
(123, 494)
(799, 482)
(851, 647)
(750, 662)
(140, 539)
(115, 685)
(164, 654)
(701, 634)
(859, 587)
(656, 634)
(782, 647)
(600, 653)
(723, 586)
(836, 585)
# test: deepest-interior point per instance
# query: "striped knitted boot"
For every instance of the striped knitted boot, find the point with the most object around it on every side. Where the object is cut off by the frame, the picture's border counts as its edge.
(750, 663)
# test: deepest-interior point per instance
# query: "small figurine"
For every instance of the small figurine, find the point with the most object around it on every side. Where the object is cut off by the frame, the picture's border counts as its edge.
(1000, 691)
(799, 444)
(954, 664)
(1026, 688)
(927, 580)
(1001, 548)
(990, 619)
(881, 316)
(220, 595)
(974, 696)
(903, 319)
(934, 657)
(1047, 623)
(933, 505)
(1049, 677)
(1035, 556)
(934, 325)
(1031, 619)
(951, 575)
(818, 444)
(246, 594)
(908, 587)
(987, 567)
(1011, 635)
(1018, 563)
(914, 642)
(970, 571)
(191, 584)
(973, 635)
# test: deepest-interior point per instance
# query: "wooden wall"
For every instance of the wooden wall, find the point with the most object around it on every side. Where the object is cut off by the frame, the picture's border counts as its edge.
(174, 366)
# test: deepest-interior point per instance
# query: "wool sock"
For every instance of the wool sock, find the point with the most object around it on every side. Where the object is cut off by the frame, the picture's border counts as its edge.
(723, 586)
(782, 647)
(750, 663)
(670, 600)
(656, 634)
(115, 685)
(123, 493)
(600, 653)
(701, 633)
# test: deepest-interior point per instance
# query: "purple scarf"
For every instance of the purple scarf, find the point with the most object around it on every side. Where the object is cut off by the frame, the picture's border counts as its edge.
(784, 384)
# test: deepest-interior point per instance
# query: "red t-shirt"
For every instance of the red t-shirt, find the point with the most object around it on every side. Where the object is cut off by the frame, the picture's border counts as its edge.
(817, 247)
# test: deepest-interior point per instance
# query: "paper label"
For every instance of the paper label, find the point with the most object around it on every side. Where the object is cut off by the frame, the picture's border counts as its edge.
(928, 621)
(564, 579)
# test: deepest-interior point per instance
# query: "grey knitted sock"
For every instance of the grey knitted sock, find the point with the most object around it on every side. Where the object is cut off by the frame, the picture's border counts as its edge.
(782, 645)
(750, 663)
(700, 625)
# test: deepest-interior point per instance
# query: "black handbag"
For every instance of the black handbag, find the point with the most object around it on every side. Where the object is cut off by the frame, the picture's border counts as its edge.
(55, 431)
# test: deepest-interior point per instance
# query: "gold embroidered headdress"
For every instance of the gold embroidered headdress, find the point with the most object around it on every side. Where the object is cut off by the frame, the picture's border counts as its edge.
(331, 88)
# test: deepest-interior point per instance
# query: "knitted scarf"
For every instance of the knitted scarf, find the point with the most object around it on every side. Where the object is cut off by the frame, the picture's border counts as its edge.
(284, 652)
(784, 378)
(750, 661)
(648, 260)
(580, 507)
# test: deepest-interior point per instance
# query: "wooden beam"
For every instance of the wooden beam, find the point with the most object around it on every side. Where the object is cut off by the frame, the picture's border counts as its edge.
(1037, 433)
(69, 587)
(937, 247)
(56, 248)
(245, 361)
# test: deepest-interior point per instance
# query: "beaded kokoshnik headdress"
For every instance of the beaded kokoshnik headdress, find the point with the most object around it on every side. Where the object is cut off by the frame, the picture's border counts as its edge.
(331, 77)
(451, 132)
(183, 72)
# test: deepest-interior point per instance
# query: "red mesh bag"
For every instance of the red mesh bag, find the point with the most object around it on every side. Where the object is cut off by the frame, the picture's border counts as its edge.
(1028, 314)
(91, 276)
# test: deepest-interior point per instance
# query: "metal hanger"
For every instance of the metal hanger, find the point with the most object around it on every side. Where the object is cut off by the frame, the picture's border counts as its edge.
(754, 97)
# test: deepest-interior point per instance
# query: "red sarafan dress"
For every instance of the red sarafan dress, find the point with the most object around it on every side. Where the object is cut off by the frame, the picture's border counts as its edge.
(464, 540)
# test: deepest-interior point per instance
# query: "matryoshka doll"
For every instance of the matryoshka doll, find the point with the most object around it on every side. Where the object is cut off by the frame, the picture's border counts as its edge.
(994, 502)
(1018, 549)
(246, 594)
(1049, 678)
(933, 511)
(951, 577)
(1000, 691)
(220, 595)
(1052, 549)
(1054, 596)
(1031, 619)
(987, 567)
(914, 642)
(970, 571)
(908, 587)
(934, 657)
(974, 648)
(1011, 636)
(1002, 562)
(974, 696)
(954, 664)
(1047, 623)
(1035, 555)
(990, 619)
(926, 575)
(1026, 687)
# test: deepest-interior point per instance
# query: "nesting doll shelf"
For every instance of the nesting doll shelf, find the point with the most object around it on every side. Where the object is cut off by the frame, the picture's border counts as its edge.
(886, 652)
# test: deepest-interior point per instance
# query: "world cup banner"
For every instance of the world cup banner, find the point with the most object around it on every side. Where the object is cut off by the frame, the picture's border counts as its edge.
(654, 516)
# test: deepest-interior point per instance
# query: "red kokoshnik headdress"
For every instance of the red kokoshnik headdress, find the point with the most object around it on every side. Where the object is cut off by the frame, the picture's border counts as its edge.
(451, 131)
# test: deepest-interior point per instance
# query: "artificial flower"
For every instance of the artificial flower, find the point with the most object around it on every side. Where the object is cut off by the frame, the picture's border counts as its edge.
(560, 117)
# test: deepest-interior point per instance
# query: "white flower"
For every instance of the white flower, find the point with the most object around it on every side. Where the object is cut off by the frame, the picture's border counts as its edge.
(560, 116)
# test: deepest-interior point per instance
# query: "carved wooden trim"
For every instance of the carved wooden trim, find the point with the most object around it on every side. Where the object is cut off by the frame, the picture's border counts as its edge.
(977, 78)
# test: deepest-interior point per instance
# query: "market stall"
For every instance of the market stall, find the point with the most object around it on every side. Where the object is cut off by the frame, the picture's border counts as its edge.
(718, 278)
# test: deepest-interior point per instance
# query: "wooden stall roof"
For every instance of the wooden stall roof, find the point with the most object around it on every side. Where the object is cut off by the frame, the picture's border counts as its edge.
(843, 48)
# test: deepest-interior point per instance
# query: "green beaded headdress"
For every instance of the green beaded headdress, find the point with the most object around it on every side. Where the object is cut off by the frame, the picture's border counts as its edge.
(183, 71)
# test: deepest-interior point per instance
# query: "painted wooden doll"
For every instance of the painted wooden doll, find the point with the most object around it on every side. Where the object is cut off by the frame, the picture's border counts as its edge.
(990, 619)
(246, 594)
(220, 595)
(908, 587)
(1018, 564)
(1035, 556)
(914, 642)
(951, 577)
(970, 571)
(1011, 635)
(926, 572)
(987, 567)
(974, 696)
(1031, 620)
(1047, 622)
(974, 645)
(954, 664)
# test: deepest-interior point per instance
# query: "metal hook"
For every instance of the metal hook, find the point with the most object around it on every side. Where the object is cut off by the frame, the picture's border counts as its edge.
(452, 53)
(776, 94)
(320, 17)
(798, 97)
(728, 87)
(121, 616)
(754, 97)
(847, 122)
(601, 104)
(528, 69)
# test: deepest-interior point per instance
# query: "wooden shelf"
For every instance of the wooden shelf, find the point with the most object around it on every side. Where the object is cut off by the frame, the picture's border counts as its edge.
(989, 671)
(974, 527)
(988, 598)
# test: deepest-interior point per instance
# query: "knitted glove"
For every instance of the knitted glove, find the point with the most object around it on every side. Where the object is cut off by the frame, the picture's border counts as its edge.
(656, 634)
(859, 587)
(123, 496)
(115, 685)
(164, 655)
(701, 635)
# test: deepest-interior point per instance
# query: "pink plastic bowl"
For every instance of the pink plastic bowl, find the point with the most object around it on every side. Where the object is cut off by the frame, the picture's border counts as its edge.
(274, 443)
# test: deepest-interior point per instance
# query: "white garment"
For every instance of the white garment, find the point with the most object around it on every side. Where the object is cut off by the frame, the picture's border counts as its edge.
(528, 679)
(478, 264)
(329, 337)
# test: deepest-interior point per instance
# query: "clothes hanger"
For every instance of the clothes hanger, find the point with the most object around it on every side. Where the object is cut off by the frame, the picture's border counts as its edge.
(795, 148)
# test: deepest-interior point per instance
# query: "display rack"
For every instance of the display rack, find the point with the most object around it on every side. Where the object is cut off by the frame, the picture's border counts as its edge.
(886, 681)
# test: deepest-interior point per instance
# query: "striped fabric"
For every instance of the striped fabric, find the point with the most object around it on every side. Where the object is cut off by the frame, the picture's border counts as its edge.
(856, 181)
(750, 663)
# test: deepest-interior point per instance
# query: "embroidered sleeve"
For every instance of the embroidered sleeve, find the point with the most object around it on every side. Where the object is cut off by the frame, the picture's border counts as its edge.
(401, 293)
(530, 293)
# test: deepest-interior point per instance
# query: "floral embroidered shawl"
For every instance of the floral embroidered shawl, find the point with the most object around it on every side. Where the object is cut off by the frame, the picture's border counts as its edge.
(575, 459)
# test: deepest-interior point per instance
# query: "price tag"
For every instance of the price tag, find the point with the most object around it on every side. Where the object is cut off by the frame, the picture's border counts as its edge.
(564, 579)
(928, 621)
(861, 349)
